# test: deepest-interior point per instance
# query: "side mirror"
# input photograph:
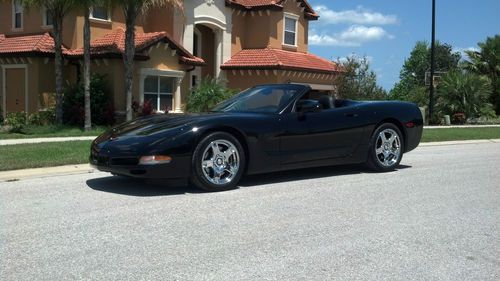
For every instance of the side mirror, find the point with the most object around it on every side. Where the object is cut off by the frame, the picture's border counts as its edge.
(308, 106)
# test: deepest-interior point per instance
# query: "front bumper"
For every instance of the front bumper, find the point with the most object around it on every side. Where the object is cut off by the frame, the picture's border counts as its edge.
(179, 167)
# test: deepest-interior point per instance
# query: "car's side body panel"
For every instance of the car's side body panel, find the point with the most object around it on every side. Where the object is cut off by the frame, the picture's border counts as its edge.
(272, 141)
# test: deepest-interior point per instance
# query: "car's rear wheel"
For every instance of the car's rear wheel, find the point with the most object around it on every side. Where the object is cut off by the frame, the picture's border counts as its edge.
(218, 162)
(386, 148)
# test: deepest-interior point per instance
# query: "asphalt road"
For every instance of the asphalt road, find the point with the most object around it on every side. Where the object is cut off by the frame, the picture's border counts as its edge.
(437, 218)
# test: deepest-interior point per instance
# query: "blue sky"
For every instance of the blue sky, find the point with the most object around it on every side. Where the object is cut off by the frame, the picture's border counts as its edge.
(386, 30)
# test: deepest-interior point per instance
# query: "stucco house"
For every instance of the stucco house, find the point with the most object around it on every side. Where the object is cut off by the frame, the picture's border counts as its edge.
(240, 42)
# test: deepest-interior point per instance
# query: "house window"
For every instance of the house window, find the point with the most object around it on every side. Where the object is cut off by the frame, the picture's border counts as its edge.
(17, 15)
(47, 18)
(290, 30)
(159, 91)
(100, 13)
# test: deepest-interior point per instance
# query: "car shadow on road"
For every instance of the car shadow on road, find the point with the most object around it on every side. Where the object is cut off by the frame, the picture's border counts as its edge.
(142, 188)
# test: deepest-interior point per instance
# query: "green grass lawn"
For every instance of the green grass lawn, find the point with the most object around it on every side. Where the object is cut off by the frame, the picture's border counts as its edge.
(24, 156)
(51, 131)
(451, 134)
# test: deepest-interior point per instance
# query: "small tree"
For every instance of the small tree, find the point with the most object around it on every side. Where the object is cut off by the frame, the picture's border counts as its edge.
(466, 93)
(412, 74)
(358, 81)
(206, 95)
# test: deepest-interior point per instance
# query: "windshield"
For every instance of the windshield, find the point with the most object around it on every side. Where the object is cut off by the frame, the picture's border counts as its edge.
(269, 99)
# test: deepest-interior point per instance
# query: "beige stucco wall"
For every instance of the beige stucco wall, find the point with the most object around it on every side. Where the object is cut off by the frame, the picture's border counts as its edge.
(243, 79)
(285, 77)
(160, 59)
(238, 33)
(302, 27)
(242, 82)
(260, 30)
(41, 80)
(72, 24)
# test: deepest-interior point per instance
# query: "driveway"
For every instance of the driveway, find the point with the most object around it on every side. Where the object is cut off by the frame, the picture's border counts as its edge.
(436, 218)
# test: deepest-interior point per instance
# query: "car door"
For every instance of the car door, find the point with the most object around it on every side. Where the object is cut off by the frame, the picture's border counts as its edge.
(319, 136)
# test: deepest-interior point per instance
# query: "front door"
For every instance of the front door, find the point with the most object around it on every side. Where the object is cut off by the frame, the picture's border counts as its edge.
(15, 90)
(323, 136)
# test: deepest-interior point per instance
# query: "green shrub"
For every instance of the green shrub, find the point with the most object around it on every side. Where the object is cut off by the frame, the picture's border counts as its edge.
(15, 121)
(467, 93)
(101, 107)
(43, 118)
(208, 94)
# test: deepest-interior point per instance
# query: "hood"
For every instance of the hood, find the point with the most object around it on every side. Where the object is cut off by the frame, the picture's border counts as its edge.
(153, 126)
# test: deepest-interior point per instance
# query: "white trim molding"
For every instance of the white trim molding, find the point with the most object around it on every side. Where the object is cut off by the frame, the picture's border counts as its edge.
(13, 26)
(4, 86)
(296, 19)
(45, 19)
(100, 20)
(176, 95)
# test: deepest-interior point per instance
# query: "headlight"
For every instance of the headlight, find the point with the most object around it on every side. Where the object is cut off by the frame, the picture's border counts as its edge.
(154, 159)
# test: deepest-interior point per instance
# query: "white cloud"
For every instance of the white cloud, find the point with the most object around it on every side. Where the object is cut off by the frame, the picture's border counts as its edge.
(462, 51)
(358, 16)
(354, 36)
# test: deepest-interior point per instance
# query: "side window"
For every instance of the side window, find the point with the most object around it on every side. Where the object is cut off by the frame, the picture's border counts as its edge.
(290, 30)
(17, 14)
(47, 18)
(325, 99)
(100, 13)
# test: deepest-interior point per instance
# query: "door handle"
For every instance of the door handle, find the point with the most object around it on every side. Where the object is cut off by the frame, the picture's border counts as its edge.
(351, 115)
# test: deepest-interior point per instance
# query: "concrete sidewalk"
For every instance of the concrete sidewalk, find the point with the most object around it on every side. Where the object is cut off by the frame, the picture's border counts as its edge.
(16, 175)
(461, 126)
(42, 140)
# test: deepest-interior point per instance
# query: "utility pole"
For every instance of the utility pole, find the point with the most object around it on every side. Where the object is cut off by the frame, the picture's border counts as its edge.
(433, 41)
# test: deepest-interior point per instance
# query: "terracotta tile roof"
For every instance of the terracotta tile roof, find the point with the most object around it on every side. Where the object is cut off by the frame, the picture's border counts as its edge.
(269, 58)
(113, 43)
(29, 44)
(266, 4)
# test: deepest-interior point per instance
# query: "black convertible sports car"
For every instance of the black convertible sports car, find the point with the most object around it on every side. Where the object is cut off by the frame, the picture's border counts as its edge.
(263, 129)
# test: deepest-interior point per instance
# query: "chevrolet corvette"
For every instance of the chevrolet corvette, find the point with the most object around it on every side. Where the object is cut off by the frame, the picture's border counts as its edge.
(263, 129)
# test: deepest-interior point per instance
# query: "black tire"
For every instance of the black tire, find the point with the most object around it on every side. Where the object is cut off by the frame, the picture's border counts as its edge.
(376, 161)
(198, 177)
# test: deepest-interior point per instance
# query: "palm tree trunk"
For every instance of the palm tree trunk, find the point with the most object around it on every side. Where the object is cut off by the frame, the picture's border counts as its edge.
(58, 28)
(86, 69)
(130, 18)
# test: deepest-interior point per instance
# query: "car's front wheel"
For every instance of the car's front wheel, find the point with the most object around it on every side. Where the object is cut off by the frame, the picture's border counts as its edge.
(218, 162)
(386, 148)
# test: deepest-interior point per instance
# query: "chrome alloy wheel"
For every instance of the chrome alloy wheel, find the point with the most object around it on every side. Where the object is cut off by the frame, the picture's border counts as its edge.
(220, 162)
(388, 147)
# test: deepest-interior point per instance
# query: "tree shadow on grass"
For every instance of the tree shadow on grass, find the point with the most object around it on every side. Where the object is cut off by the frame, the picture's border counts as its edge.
(148, 188)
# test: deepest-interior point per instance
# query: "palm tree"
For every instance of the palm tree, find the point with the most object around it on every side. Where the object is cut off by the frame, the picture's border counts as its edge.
(132, 9)
(486, 61)
(467, 93)
(57, 9)
(86, 6)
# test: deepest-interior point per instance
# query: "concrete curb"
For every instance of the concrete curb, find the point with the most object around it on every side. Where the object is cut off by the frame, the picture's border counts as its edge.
(16, 175)
(440, 143)
(42, 140)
